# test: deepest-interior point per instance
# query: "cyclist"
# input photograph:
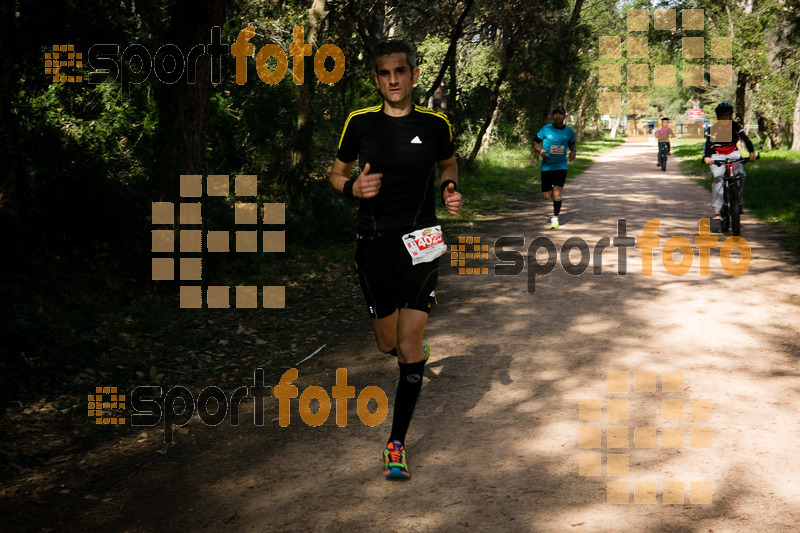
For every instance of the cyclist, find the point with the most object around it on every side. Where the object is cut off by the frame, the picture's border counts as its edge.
(721, 144)
(663, 135)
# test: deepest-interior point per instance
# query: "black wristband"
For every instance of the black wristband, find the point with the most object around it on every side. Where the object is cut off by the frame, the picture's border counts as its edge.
(444, 186)
(347, 189)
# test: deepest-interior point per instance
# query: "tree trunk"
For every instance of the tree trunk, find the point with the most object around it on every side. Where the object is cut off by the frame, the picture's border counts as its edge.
(11, 182)
(450, 56)
(452, 91)
(488, 138)
(183, 108)
(565, 43)
(741, 85)
(377, 17)
(390, 24)
(493, 101)
(579, 116)
(614, 125)
(774, 134)
(796, 124)
(305, 116)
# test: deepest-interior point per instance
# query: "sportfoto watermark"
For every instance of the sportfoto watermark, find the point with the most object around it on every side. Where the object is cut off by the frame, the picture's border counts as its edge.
(508, 250)
(169, 63)
(178, 405)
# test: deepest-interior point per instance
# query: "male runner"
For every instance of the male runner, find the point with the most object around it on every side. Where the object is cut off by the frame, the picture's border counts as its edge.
(721, 144)
(399, 146)
(663, 135)
(552, 142)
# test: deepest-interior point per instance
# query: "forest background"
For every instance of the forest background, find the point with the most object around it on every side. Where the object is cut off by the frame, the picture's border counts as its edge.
(82, 163)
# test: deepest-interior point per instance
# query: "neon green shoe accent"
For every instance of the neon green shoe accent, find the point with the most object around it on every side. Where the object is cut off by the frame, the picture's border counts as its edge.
(394, 461)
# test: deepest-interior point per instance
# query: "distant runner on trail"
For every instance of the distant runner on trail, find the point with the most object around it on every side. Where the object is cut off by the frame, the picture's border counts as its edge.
(399, 146)
(552, 142)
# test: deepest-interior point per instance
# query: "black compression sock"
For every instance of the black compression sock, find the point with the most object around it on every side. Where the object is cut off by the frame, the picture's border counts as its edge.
(392, 352)
(556, 207)
(406, 398)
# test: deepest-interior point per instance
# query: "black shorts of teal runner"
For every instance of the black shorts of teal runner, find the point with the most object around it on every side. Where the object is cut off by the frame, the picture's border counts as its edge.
(553, 178)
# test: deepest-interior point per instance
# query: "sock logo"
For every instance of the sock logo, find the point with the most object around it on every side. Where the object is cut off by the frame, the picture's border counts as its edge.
(413, 378)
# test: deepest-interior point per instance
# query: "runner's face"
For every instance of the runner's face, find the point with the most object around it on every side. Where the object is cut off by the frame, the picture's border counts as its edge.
(395, 79)
(558, 118)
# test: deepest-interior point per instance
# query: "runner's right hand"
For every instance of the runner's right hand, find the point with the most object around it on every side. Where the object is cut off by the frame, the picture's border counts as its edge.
(367, 185)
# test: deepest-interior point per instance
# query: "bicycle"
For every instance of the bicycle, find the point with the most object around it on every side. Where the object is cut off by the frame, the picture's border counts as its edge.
(662, 156)
(731, 195)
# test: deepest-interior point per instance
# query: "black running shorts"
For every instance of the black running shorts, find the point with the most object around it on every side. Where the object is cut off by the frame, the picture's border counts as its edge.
(553, 178)
(388, 279)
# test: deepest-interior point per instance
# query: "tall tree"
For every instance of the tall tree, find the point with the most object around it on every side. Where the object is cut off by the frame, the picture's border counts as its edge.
(9, 162)
(183, 108)
(305, 119)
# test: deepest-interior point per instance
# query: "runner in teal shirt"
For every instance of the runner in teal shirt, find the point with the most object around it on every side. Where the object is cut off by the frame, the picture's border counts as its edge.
(552, 143)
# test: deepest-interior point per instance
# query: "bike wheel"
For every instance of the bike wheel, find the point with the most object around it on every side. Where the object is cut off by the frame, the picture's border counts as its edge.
(725, 212)
(733, 195)
(664, 163)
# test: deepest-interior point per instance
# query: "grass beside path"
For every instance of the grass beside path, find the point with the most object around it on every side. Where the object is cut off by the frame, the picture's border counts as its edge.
(771, 191)
(504, 173)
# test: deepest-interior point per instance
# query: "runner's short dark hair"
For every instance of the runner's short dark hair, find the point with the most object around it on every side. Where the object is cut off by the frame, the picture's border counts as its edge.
(394, 46)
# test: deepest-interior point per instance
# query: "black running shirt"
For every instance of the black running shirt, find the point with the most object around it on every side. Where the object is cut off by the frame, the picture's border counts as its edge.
(405, 150)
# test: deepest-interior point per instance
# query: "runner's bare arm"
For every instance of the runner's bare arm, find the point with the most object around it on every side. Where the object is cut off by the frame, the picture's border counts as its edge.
(365, 186)
(339, 175)
(448, 171)
(538, 146)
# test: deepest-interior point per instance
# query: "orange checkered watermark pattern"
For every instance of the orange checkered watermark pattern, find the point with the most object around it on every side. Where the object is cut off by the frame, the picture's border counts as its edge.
(594, 426)
(191, 237)
(618, 56)
(104, 400)
(63, 55)
(468, 248)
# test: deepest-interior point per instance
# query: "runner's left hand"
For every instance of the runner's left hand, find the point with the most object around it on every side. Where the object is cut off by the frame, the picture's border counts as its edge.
(452, 199)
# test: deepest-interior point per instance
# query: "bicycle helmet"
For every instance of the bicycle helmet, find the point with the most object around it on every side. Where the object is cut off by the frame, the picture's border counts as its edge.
(559, 109)
(723, 107)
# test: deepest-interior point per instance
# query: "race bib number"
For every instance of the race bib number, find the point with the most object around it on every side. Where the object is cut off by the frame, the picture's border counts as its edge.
(425, 245)
(556, 149)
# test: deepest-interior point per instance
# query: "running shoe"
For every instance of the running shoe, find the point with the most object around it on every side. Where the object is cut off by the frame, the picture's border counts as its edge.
(554, 222)
(717, 216)
(426, 352)
(394, 461)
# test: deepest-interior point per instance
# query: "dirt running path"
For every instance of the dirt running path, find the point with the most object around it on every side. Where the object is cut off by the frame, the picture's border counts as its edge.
(494, 445)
